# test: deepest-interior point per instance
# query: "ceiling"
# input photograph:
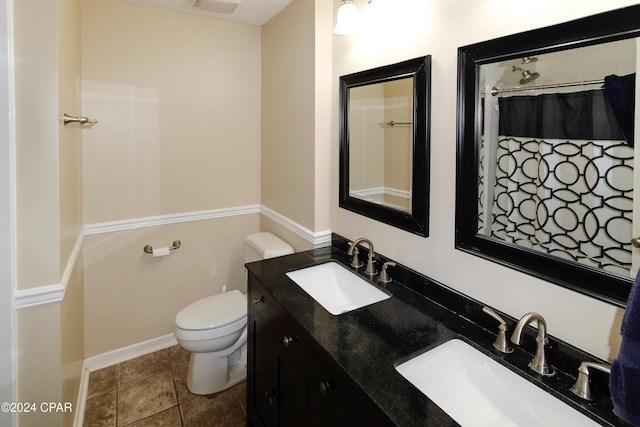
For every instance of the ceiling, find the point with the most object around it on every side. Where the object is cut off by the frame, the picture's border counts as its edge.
(254, 12)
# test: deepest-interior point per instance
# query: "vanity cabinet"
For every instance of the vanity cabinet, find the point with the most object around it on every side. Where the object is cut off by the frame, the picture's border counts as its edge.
(274, 389)
(290, 381)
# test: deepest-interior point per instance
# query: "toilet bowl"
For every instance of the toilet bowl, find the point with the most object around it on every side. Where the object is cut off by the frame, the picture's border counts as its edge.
(214, 329)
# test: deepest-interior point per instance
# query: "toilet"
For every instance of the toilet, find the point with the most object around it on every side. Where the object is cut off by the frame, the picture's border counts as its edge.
(214, 329)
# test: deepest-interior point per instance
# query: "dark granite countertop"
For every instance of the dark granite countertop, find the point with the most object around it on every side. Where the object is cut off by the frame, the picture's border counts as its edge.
(369, 342)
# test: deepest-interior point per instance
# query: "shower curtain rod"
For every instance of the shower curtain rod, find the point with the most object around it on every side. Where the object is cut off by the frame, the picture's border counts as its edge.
(495, 91)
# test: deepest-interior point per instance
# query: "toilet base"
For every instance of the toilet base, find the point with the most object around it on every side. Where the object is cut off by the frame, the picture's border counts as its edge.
(209, 373)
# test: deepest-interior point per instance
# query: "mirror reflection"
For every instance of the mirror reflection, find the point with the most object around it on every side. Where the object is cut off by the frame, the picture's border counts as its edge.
(556, 164)
(546, 157)
(384, 144)
(381, 143)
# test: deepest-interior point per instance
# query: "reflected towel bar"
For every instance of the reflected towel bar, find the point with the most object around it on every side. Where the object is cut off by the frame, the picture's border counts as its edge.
(392, 123)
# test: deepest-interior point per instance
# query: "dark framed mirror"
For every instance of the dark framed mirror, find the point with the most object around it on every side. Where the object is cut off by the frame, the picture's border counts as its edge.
(384, 144)
(546, 157)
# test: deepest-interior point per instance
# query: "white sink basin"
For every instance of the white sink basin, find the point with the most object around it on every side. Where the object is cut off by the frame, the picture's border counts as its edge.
(337, 289)
(475, 390)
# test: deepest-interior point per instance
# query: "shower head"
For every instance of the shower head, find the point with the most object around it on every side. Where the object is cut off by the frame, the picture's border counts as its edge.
(529, 59)
(527, 76)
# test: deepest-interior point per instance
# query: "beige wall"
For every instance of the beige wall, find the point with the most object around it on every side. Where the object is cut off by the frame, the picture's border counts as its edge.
(37, 176)
(296, 118)
(71, 216)
(132, 297)
(323, 112)
(7, 227)
(366, 137)
(71, 341)
(288, 113)
(49, 204)
(398, 147)
(70, 136)
(415, 28)
(39, 362)
(177, 99)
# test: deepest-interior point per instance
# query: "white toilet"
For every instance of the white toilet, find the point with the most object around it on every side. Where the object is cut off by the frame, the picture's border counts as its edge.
(214, 329)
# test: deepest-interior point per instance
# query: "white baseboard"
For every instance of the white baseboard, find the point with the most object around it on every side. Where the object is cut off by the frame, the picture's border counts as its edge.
(378, 191)
(110, 358)
(81, 404)
(130, 352)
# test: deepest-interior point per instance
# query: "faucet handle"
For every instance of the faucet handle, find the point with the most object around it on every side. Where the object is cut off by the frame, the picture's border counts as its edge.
(384, 275)
(355, 261)
(371, 269)
(501, 343)
(581, 387)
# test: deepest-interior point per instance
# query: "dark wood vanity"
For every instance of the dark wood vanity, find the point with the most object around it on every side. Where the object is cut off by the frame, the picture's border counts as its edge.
(309, 367)
(290, 381)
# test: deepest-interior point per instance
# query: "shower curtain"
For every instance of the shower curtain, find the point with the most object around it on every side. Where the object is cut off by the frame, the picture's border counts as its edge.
(564, 179)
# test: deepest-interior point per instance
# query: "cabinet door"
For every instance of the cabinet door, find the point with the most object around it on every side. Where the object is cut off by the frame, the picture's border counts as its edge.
(329, 391)
(293, 386)
(262, 393)
(320, 412)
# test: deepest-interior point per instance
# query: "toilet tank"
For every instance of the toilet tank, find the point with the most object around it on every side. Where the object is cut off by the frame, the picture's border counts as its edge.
(264, 245)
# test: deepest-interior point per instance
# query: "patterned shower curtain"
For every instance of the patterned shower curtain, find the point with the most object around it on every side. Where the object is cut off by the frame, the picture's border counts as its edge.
(564, 179)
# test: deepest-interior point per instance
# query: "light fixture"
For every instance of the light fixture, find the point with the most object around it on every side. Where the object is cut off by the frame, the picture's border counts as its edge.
(218, 6)
(347, 21)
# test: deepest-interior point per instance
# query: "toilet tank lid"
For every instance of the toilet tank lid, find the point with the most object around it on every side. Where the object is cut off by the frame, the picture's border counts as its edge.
(268, 245)
(213, 312)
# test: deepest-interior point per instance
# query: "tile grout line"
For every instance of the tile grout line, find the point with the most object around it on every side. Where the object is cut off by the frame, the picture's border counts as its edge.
(175, 369)
(175, 390)
(239, 402)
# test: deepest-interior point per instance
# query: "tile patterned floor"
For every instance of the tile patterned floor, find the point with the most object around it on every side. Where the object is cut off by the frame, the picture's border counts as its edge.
(151, 391)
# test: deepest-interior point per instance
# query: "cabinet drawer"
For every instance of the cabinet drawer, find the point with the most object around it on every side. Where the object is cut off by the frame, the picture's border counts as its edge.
(329, 385)
(264, 303)
(290, 338)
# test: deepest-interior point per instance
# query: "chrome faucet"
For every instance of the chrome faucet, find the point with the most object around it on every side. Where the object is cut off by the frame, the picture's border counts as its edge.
(539, 362)
(353, 251)
(501, 344)
(581, 387)
(384, 274)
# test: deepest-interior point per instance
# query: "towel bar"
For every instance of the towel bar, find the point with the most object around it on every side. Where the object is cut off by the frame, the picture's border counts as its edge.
(66, 119)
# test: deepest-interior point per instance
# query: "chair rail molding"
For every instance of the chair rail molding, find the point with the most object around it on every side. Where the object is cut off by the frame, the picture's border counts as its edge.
(154, 221)
(49, 294)
(54, 293)
(317, 238)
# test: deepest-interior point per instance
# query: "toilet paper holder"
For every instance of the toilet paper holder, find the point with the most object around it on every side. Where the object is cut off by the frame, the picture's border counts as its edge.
(149, 249)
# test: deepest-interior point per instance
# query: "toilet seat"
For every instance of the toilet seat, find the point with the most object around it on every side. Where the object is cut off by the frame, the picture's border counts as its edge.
(212, 317)
(208, 334)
